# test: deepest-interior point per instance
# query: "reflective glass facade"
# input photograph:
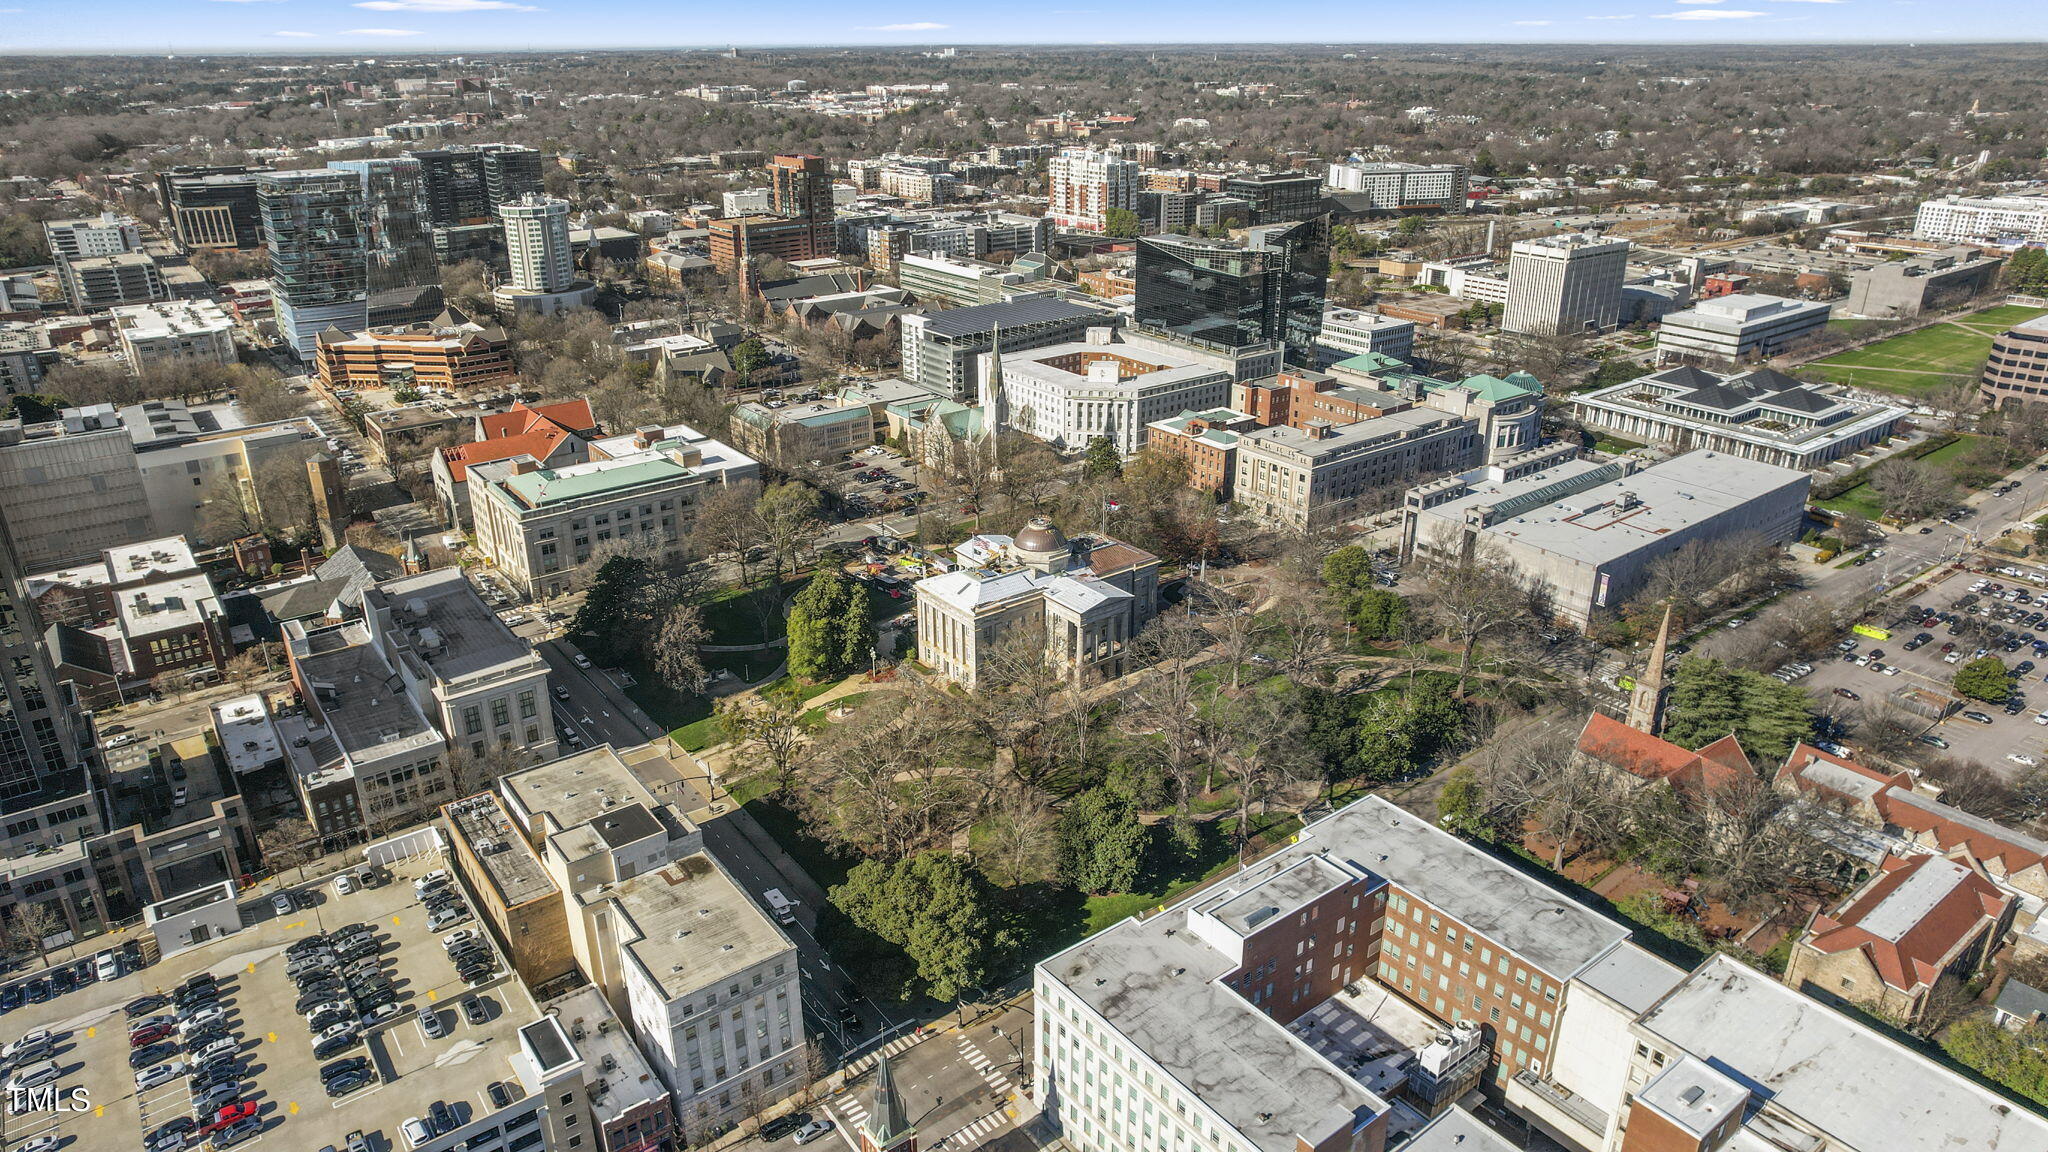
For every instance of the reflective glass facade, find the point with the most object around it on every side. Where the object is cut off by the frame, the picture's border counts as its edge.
(1235, 295)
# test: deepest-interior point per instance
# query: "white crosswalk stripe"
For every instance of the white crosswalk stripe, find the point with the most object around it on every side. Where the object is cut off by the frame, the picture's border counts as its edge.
(899, 1044)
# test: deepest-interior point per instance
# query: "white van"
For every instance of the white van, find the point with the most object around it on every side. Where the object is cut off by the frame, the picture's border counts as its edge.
(780, 905)
(33, 1076)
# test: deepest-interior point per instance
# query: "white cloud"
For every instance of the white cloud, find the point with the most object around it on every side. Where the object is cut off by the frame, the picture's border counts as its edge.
(300, 35)
(445, 6)
(1702, 1)
(1707, 14)
(382, 32)
(1809, 1)
(1531, 23)
(916, 26)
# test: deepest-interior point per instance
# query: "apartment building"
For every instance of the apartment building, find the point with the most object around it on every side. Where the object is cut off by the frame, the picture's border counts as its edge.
(1758, 414)
(478, 683)
(317, 237)
(1268, 287)
(1084, 598)
(1565, 283)
(142, 612)
(1392, 187)
(961, 282)
(1741, 326)
(542, 278)
(1086, 185)
(452, 352)
(705, 980)
(540, 525)
(1070, 394)
(1984, 219)
(108, 234)
(71, 488)
(98, 283)
(1320, 474)
(157, 335)
(942, 350)
(1588, 531)
(211, 207)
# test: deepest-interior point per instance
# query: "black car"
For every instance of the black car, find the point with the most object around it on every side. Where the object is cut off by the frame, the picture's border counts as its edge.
(375, 1000)
(442, 1117)
(329, 1019)
(304, 945)
(782, 1126)
(468, 954)
(348, 930)
(475, 975)
(849, 1018)
(352, 1064)
(1978, 717)
(316, 997)
(346, 1083)
(142, 1006)
(199, 980)
(473, 1010)
(358, 948)
(150, 1054)
(225, 1062)
(196, 998)
(207, 1081)
(336, 1046)
(63, 980)
(176, 1125)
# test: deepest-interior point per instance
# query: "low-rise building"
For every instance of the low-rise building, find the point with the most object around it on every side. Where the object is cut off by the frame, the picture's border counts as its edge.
(1744, 325)
(553, 434)
(1207, 441)
(155, 335)
(452, 352)
(2016, 371)
(541, 524)
(1757, 414)
(1084, 599)
(1900, 288)
(1070, 394)
(483, 686)
(961, 281)
(799, 432)
(2019, 218)
(1348, 332)
(1506, 410)
(1585, 532)
(1322, 473)
(145, 611)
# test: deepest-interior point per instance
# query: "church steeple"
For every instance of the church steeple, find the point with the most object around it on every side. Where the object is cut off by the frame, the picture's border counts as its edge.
(887, 1127)
(1646, 699)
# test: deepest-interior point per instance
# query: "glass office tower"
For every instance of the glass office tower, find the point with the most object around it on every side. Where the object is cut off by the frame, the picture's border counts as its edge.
(1236, 294)
(319, 253)
(396, 232)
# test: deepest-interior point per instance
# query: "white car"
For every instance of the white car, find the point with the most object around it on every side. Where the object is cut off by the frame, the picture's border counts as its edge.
(580, 660)
(468, 934)
(343, 885)
(2021, 758)
(47, 1142)
(416, 1131)
(282, 904)
(211, 1014)
(158, 1074)
(2041, 718)
(35, 1039)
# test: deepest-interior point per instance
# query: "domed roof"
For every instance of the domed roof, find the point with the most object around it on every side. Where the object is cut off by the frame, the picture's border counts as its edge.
(1041, 536)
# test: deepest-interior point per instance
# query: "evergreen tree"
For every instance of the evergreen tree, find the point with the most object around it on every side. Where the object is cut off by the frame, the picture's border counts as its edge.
(1100, 842)
(1986, 679)
(830, 631)
(935, 907)
(1709, 700)
(612, 602)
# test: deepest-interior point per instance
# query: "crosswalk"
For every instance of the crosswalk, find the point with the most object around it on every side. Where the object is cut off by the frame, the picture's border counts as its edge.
(900, 1044)
(979, 1061)
(970, 1136)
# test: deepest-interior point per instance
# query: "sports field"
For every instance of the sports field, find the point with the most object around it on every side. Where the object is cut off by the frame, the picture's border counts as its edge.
(1914, 364)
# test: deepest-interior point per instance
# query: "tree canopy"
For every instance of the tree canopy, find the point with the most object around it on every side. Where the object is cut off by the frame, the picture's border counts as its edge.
(830, 631)
(1709, 700)
(935, 907)
(1100, 843)
(1986, 678)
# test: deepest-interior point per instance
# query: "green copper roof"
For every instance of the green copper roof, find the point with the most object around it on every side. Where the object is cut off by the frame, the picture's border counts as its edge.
(1494, 388)
(547, 486)
(1370, 362)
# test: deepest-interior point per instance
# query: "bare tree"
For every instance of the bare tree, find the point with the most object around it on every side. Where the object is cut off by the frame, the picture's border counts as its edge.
(287, 844)
(1017, 837)
(1537, 776)
(1912, 490)
(1240, 636)
(676, 656)
(30, 927)
(770, 726)
(1264, 743)
(1169, 704)
(1472, 598)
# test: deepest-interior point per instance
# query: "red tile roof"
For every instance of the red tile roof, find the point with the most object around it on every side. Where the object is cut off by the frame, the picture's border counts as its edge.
(1954, 830)
(1611, 742)
(1804, 754)
(573, 415)
(539, 443)
(1909, 938)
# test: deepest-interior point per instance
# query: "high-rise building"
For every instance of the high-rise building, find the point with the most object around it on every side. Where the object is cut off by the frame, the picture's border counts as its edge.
(314, 229)
(1565, 283)
(1085, 186)
(465, 184)
(510, 171)
(1983, 219)
(1277, 197)
(1269, 287)
(543, 269)
(800, 188)
(211, 207)
(399, 240)
(108, 234)
(1389, 187)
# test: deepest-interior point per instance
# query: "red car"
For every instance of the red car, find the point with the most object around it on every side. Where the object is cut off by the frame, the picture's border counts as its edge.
(149, 1035)
(231, 1113)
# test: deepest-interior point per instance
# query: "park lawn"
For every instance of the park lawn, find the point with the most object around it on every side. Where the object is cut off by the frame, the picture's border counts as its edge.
(733, 616)
(1911, 385)
(2002, 317)
(1609, 442)
(1940, 348)
(1857, 501)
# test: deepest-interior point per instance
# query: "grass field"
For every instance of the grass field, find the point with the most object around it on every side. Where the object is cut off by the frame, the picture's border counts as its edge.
(1914, 364)
(1862, 501)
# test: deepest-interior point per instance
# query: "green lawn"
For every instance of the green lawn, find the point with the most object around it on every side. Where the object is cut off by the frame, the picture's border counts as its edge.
(1861, 501)
(2002, 317)
(734, 615)
(1916, 363)
(1609, 442)
(1911, 385)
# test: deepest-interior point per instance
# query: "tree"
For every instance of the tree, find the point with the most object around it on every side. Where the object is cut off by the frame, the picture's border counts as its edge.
(1120, 223)
(1348, 570)
(748, 357)
(677, 658)
(287, 844)
(35, 407)
(769, 725)
(1710, 700)
(935, 908)
(31, 925)
(1912, 490)
(1471, 598)
(787, 519)
(1100, 843)
(1540, 778)
(1017, 837)
(1379, 613)
(1460, 806)
(1103, 461)
(612, 607)
(1263, 748)
(1986, 678)
(831, 633)
(726, 524)
(471, 771)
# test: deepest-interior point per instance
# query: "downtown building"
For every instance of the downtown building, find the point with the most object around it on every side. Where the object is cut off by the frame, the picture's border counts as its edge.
(942, 351)
(1392, 187)
(318, 240)
(543, 268)
(2002, 220)
(397, 234)
(1565, 283)
(1085, 186)
(1758, 414)
(1071, 394)
(1348, 992)
(1267, 289)
(1740, 326)
(213, 207)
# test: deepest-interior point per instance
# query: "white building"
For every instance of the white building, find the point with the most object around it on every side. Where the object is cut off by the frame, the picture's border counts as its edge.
(1744, 324)
(108, 234)
(1759, 414)
(1402, 187)
(1347, 332)
(1984, 219)
(747, 202)
(542, 262)
(1086, 185)
(540, 525)
(1568, 282)
(479, 683)
(1069, 394)
(1085, 598)
(1478, 278)
(157, 334)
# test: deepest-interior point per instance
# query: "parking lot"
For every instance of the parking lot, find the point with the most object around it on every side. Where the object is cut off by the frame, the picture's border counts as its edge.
(273, 1067)
(874, 481)
(1964, 625)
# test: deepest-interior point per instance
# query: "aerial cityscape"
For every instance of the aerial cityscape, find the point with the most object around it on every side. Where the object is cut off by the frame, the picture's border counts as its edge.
(1079, 582)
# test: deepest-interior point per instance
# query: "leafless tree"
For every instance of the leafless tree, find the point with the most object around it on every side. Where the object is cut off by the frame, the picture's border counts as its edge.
(1017, 837)
(32, 923)
(1536, 776)
(1169, 704)
(770, 726)
(1241, 635)
(676, 656)
(1264, 746)
(287, 844)
(1472, 598)
(1912, 490)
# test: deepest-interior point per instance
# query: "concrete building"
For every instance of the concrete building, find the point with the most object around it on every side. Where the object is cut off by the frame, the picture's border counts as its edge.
(942, 350)
(543, 270)
(482, 686)
(1208, 442)
(145, 611)
(318, 242)
(108, 234)
(1565, 283)
(452, 352)
(1086, 597)
(2017, 368)
(71, 488)
(1478, 278)
(1586, 532)
(707, 983)
(942, 279)
(97, 283)
(801, 432)
(1084, 186)
(1900, 288)
(1069, 394)
(746, 202)
(1758, 414)
(156, 335)
(1506, 412)
(2004, 220)
(1347, 333)
(1742, 326)
(1392, 187)
(188, 455)
(1320, 474)
(540, 525)
(554, 435)
(363, 755)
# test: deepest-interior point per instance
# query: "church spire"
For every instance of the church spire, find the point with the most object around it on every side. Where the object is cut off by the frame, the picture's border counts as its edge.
(887, 1127)
(1646, 699)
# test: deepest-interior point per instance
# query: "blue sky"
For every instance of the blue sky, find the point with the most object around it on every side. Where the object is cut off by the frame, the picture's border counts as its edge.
(475, 25)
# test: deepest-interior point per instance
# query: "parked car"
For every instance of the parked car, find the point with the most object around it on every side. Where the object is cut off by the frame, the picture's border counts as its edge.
(431, 1024)
(1848, 694)
(157, 1074)
(282, 904)
(473, 1010)
(812, 1131)
(1978, 717)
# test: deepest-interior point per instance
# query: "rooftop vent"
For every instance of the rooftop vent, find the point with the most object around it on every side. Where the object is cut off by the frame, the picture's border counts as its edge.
(1692, 1095)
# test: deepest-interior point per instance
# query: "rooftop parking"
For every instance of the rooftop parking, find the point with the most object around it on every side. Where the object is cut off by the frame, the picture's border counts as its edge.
(280, 1074)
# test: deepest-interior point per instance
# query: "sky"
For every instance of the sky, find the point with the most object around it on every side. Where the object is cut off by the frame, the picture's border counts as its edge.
(397, 26)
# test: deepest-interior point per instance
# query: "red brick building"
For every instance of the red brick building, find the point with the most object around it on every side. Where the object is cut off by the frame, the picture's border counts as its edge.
(1208, 442)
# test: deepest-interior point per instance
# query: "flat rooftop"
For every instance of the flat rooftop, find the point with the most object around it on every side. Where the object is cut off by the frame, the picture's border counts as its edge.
(447, 625)
(168, 555)
(1343, 438)
(576, 789)
(248, 739)
(361, 697)
(1862, 1088)
(696, 925)
(609, 1053)
(480, 823)
(166, 605)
